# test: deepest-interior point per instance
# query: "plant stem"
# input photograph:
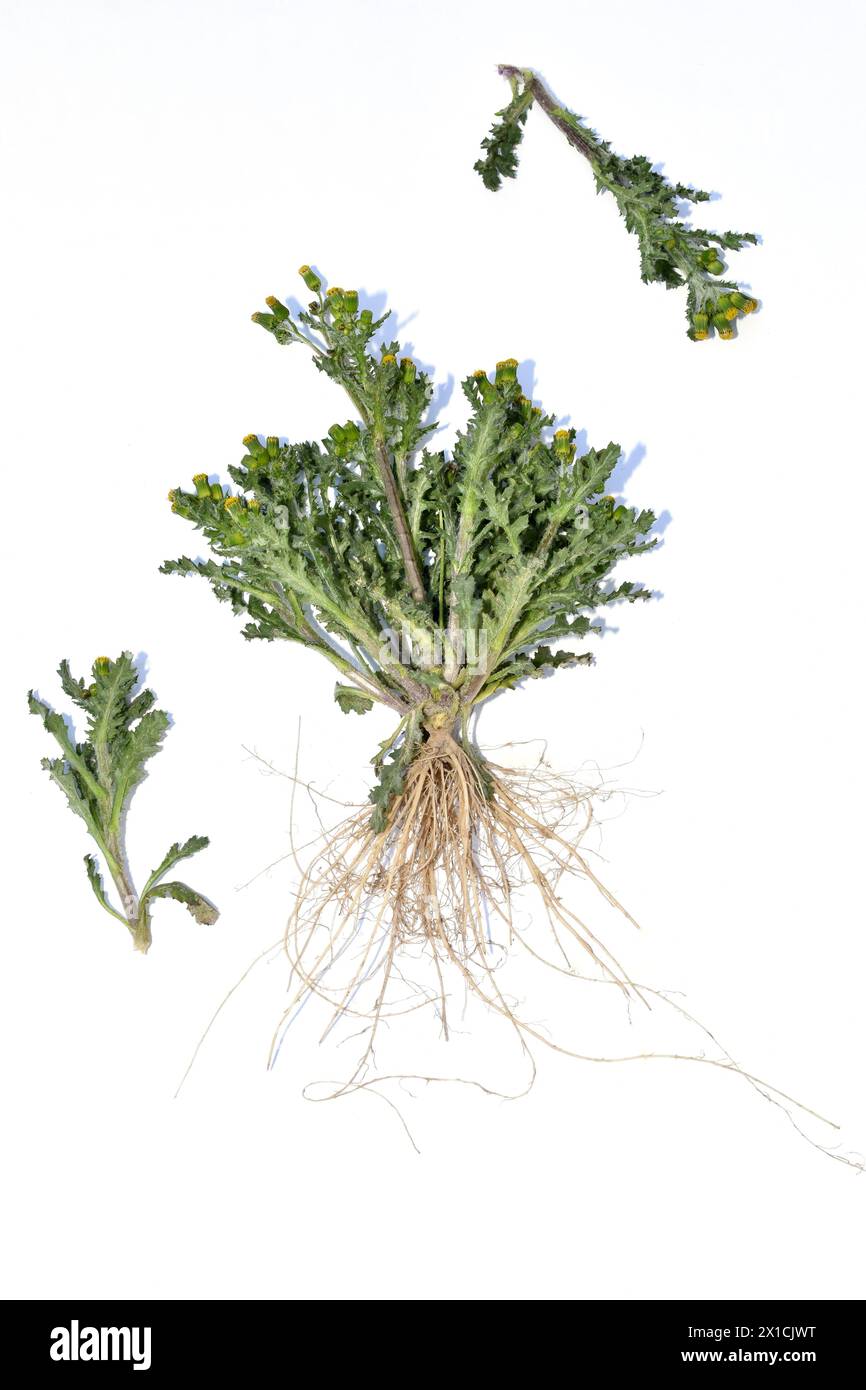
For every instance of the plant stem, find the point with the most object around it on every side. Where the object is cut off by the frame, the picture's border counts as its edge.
(135, 910)
(385, 468)
(551, 108)
(401, 526)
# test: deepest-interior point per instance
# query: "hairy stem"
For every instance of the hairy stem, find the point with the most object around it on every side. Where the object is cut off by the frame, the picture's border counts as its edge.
(401, 526)
(386, 471)
(550, 107)
(135, 910)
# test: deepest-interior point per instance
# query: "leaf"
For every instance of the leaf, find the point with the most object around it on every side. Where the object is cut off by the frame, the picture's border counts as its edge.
(108, 700)
(500, 159)
(351, 700)
(175, 854)
(392, 776)
(201, 909)
(137, 748)
(97, 885)
(73, 757)
(75, 689)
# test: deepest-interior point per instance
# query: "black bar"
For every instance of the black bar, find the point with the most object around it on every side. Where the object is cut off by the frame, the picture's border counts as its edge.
(84, 1338)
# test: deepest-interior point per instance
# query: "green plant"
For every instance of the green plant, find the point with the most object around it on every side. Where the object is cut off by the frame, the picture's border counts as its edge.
(670, 250)
(99, 776)
(432, 582)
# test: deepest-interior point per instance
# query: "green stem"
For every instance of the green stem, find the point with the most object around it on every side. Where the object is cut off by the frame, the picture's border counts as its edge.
(386, 470)
(115, 857)
(398, 517)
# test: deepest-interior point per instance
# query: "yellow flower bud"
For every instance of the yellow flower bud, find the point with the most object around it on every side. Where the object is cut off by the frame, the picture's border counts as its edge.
(310, 278)
(277, 308)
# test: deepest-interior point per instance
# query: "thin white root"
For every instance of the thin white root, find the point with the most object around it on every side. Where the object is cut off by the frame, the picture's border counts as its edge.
(429, 892)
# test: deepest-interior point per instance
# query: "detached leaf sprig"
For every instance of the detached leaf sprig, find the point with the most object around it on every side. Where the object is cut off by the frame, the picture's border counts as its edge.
(98, 777)
(670, 251)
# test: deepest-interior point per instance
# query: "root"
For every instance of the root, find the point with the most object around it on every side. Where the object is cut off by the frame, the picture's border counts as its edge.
(438, 889)
(436, 884)
(391, 923)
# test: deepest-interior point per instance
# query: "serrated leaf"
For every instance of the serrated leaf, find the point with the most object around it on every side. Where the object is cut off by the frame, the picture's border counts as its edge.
(352, 700)
(201, 909)
(140, 744)
(98, 887)
(174, 855)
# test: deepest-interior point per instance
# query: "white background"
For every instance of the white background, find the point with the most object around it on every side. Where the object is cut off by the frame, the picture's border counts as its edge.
(165, 166)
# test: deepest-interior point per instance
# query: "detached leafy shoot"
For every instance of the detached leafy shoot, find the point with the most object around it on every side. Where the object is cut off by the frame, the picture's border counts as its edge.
(432, 583)
(670, 250)
(99, 776)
